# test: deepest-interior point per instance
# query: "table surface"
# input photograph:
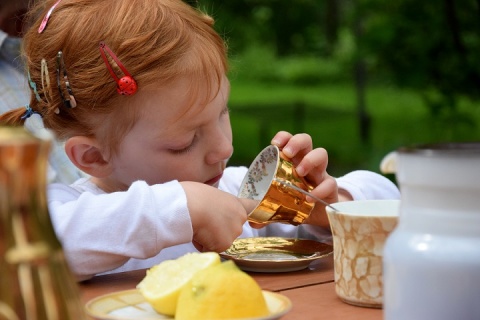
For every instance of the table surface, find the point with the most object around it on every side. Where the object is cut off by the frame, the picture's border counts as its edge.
(312, 291)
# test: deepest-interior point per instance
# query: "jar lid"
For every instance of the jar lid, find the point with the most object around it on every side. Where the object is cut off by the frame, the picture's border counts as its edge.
(443, 148)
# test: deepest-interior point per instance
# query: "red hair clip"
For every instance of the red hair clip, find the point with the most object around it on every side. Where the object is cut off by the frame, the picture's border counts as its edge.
(126, 85)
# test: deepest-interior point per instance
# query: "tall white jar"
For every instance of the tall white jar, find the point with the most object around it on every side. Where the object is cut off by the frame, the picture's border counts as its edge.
(432, 259)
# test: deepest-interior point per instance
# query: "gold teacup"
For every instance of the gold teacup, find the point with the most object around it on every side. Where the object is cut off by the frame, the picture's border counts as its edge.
(267, 181)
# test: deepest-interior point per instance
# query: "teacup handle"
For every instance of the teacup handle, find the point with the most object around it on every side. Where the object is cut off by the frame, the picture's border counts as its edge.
(291, 185)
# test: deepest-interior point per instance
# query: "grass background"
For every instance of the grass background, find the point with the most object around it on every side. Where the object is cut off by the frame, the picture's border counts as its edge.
(327, 111)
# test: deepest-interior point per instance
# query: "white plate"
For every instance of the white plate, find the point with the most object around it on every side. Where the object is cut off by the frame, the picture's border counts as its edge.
(130, 304)
(275, 254)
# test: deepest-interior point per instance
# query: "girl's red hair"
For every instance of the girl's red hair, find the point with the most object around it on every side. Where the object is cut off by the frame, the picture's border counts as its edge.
(156, 40)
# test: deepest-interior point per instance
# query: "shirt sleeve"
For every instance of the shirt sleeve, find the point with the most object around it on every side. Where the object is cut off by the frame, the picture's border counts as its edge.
(368, 185)
(100, 232)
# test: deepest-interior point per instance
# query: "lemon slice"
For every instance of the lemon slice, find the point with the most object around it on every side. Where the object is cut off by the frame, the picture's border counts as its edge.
(163, 282)
(221, 292)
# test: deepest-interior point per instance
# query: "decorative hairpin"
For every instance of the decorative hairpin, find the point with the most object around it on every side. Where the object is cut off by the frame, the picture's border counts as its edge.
(47, 90)
(33, 85)
(70, 102)
(45, 78)
(28, 112)
(125, 85)
(44, 22)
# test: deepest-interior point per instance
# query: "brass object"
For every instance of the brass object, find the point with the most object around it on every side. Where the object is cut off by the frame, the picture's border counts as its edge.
(268, 181)
(275, 254)
(35, 281)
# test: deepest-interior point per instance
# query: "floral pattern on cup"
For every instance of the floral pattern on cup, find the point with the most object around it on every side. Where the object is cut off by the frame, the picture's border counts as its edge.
(276, 201)
(358, 242)
(260, 174)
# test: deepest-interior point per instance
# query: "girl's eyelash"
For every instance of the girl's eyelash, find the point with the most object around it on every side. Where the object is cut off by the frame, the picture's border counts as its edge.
(186, 149)
(226, 110)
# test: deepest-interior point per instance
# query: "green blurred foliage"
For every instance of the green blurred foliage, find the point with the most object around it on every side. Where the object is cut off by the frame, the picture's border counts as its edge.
(292, 68)
(289, 27)
(429, 46)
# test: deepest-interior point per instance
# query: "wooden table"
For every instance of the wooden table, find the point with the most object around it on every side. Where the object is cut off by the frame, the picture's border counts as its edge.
(312, 291)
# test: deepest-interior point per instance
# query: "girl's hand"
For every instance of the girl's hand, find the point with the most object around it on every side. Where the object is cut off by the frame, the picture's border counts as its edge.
(310, 164)
(217, 216)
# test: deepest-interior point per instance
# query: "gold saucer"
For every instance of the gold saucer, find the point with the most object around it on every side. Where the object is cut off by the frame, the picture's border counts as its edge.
(275, 254)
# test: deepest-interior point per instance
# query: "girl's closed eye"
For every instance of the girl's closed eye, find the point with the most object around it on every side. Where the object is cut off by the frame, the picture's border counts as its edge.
(185, 149)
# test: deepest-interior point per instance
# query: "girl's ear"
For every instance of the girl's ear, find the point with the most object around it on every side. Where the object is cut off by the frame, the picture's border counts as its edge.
(86, 155)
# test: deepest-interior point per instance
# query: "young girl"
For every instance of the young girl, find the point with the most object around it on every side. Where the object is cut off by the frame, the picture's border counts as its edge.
(138, 91)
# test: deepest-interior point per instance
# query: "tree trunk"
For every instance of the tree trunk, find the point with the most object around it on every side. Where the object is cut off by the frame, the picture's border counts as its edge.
(360, 71)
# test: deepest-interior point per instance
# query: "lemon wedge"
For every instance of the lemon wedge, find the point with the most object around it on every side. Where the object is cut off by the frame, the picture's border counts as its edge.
(221, 291)
(163, 282)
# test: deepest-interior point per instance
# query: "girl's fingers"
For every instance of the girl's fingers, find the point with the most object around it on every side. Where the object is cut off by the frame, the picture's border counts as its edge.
(281, 139)
(327, 190)
(315, 162)
(256, 225)
(298, 146)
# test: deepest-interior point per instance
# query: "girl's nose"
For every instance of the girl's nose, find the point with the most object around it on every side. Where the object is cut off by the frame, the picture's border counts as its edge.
(221, 148)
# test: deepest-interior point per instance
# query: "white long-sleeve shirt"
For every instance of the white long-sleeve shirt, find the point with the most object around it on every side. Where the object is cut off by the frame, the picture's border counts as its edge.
(145, 225)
